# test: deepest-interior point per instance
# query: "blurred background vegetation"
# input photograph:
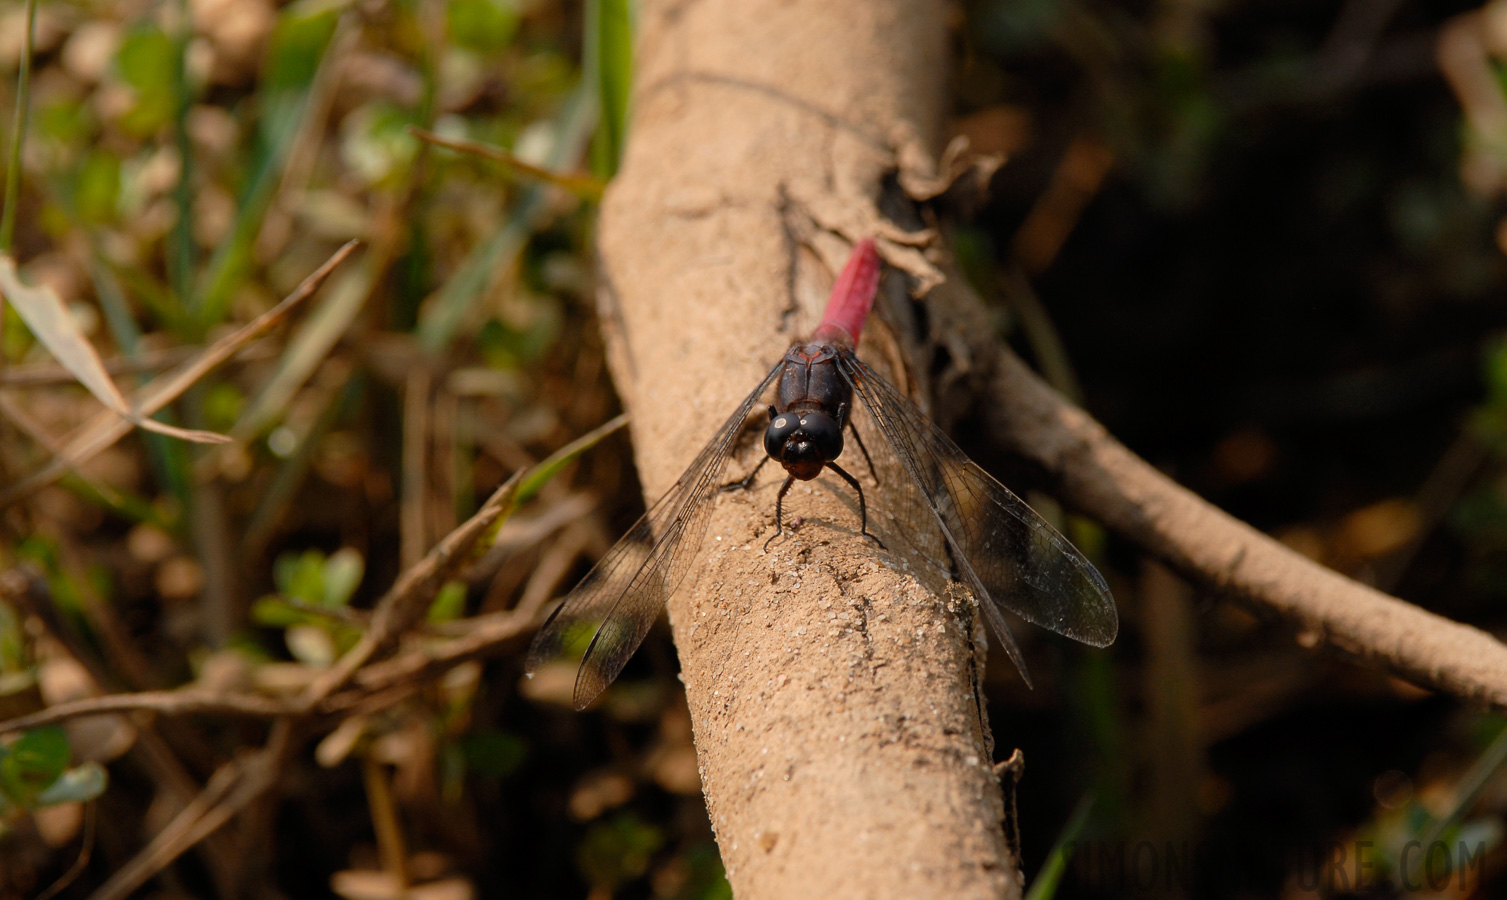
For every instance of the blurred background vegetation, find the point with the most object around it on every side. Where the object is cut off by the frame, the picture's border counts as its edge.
(1263, 242)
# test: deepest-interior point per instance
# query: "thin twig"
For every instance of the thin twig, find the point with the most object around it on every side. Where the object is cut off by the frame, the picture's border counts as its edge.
(408, 599)
(185, 702)
(86, 849)
(384, 815)
(489, 634)
(375, 686)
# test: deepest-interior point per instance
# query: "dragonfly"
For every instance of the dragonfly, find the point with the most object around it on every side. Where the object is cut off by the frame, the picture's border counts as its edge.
(1007, 554)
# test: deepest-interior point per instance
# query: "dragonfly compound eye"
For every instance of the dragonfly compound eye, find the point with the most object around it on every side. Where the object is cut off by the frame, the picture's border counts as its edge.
(803, 442)
(824, 434)
(781, 427)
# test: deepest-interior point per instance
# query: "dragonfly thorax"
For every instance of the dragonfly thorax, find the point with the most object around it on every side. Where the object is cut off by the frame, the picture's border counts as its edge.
(803, 441)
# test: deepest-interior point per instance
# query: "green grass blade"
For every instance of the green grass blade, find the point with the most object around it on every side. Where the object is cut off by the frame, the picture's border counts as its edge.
(540, 475)
(327, 323)
(1050, 876)
(18, 131)
(180, 264)
(297, 51)
(452, 303)
(608, 64)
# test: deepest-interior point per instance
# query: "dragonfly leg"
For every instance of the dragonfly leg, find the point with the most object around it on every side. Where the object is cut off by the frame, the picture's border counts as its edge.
(863, 509)
(745, 481)
(866, 458)
(779, 514)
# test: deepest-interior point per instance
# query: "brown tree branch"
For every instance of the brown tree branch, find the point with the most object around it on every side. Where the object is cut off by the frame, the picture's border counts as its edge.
(832, 694)
(1098, 475)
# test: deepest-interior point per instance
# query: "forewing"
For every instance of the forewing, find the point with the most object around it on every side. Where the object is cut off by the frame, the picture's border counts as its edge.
(604, 619)
(1002, 546)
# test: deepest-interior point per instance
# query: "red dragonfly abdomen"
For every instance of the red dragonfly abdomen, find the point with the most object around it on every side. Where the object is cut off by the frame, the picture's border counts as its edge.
(852, 297)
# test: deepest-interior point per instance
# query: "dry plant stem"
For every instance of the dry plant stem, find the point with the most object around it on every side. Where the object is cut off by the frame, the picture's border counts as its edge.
(388, 681)
(168, 703)
(230, 789)
(488, 635)
(418, 398)
(1096, 474)
(409, 598)
(832, 694)
(107, 427)
(384, 814)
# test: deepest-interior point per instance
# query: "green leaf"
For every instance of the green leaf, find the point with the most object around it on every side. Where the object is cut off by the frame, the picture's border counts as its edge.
(14, 658)
(449, 309)
(77, 785)
(541, 474)
(294, 53)
(68, 123)
(301, 576)
(222, 405)
(275, 612)
(449, 604)
(342, 575)
(1496, 373)
(96, 187)
(376, 144)
(145, 61)
(492, 753)
(706, 880)
(482, 25)
(617, 851)
(32, 764)
(297, 46)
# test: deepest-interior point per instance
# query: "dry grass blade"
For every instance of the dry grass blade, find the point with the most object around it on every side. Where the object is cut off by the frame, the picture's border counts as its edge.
(54, 326)
(48, 374)
(104, 430)
(584, 186)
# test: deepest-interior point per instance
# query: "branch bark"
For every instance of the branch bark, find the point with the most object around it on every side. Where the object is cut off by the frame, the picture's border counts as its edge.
(839, 731)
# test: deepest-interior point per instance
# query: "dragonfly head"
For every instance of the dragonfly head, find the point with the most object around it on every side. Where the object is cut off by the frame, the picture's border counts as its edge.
(803, 442)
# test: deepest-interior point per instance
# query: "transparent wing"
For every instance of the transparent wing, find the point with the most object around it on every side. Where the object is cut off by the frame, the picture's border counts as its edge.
(1007, 553)
(604, 619)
